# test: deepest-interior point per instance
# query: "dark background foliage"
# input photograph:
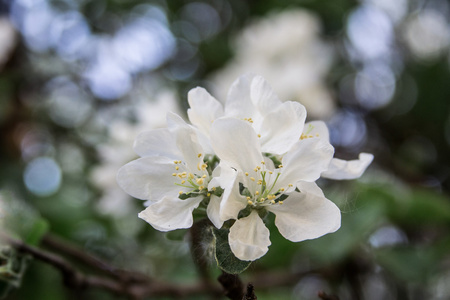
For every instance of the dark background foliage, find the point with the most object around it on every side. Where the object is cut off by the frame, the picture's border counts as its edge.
(78, 74)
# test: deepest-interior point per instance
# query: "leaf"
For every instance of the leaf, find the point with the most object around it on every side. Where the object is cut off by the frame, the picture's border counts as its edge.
(36, 232)
(224, 256)
(12, 268)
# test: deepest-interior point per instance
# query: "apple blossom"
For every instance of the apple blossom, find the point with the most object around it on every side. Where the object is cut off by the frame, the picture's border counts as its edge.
(238, 163)
(172, 175)
(278, 124)
(285, 188)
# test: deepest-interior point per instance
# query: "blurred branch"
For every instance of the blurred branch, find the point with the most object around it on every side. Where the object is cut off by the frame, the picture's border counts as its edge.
(233, 286)
(250, 295)
(61, 246)
(72, 278)
(138, 285)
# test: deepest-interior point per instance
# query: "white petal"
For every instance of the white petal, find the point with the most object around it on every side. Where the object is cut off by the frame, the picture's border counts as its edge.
(204, 109)
(236, 142)
(305, 216)
(249, 237)
(204, 141)
(239, 104)
(305, 161)
(317, 129)
(170, 213)
(310, 188)
(213, 210)
(282, 127)
(232, 201)
(157, 142)
(342, 169)
(189, 146)
(149, 178)
(174, 121)
(263, 96)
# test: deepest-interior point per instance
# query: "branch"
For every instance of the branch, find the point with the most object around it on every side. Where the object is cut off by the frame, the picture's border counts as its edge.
(61, 246)
(233, 286)
(250, 295)
(137, 285)
(136, 290)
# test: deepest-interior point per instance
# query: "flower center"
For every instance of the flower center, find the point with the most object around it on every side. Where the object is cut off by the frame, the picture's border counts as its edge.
(307, 134)
(196, 181)
(261, 189)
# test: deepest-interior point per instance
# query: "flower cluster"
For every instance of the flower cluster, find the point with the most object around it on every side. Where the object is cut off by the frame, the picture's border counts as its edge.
(237, 163)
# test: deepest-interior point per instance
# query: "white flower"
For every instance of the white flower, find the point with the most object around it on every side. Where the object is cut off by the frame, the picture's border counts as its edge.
(250, 98)
(171, 175)
(259, 186)
(285, 48)
(116, 151)
(8, 40)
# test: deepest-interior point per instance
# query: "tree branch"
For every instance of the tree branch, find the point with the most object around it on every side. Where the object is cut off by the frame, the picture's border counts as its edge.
(74, 279)
(137, 285)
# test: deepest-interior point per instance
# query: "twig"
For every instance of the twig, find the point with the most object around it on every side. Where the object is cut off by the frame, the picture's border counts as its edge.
(137, 285)
(59, 245)
(250, 295)
(233, 286)
(74, 279)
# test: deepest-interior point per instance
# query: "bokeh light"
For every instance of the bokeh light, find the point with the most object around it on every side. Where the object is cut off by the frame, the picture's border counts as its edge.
(42, 176)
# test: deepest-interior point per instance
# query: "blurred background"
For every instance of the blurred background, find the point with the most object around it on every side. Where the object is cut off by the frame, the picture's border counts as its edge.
(79, 79)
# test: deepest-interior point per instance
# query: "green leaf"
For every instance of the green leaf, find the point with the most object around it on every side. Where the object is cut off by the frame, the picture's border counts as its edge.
(36, 232)
(12, 268)
(224, 256)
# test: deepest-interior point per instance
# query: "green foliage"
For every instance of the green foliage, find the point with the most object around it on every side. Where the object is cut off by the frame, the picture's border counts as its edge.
(22, 221)
(12, 269)
(224, 257)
